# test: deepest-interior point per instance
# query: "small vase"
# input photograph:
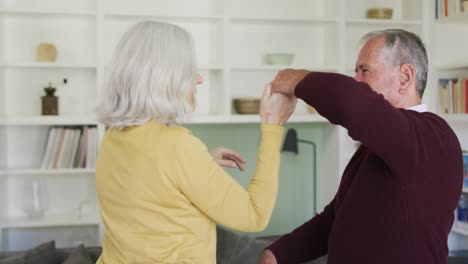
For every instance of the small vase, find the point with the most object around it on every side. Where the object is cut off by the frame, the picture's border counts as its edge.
(49, 101)
(35, 200)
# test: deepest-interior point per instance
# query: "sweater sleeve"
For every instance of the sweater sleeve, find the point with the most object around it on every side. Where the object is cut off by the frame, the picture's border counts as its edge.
(218, 195)
(367, 115)
(307, 242)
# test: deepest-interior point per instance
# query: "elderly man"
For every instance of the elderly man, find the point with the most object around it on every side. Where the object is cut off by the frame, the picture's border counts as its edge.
(397, 195)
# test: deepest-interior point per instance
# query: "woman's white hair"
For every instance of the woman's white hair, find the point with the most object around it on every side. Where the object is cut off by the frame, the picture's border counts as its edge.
(152, 70)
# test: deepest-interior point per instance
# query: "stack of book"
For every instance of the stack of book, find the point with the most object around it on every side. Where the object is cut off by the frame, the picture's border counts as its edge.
(448, 8)
(70, 147)
(453, 96)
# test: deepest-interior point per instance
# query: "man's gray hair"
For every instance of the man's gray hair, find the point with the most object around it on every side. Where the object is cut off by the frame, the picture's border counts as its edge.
(407, 48)
(152, 70)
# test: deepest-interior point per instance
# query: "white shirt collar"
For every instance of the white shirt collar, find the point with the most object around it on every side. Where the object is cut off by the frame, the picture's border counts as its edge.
(419, 108)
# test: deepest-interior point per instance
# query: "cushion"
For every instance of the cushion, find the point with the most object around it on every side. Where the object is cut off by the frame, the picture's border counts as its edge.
(19, 258)
(42, 254)
(79, 256)
(235, 248)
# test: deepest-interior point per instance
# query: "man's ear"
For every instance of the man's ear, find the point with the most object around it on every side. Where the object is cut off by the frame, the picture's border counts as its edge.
(407, 73)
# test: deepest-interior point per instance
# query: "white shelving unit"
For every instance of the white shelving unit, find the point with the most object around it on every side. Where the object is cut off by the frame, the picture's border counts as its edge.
(231, 39)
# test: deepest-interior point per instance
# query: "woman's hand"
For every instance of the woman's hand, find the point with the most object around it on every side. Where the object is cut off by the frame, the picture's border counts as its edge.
(228, 158)
(276, 108)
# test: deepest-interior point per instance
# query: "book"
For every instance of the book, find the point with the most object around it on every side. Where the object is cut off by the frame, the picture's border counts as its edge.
(63, 145)
(444, 96)
(48, 149)
(71, 163)
(56, 147)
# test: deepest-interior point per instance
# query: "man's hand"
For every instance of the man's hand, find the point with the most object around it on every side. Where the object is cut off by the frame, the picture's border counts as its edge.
(286, 81)
(267, 258)
(228, 158)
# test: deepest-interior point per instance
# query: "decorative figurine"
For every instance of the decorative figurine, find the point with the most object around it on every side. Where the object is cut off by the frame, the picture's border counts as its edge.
(46, 52)
(49, 101)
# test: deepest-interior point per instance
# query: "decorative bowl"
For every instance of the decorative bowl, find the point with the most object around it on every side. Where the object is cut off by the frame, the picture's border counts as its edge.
(380, 13)
(279, 58)
(247, 105)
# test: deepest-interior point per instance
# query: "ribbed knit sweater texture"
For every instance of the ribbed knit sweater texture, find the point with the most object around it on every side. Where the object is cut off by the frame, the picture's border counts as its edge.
(396, 200)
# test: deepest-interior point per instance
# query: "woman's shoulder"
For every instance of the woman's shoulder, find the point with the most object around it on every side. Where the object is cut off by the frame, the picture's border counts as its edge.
(178, 134)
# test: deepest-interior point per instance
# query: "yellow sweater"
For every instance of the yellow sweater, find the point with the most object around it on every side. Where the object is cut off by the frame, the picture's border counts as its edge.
(161, 194)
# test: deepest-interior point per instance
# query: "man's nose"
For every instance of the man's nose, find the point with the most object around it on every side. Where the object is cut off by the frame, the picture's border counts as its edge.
(358, 76)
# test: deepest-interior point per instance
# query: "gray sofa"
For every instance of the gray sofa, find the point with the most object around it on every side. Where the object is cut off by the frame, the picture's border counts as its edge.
(231, 249)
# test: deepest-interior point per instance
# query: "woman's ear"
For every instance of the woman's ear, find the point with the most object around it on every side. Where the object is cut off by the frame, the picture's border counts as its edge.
(407, 73)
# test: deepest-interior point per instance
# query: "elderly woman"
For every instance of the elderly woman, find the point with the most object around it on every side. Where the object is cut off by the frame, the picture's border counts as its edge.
(161, 192)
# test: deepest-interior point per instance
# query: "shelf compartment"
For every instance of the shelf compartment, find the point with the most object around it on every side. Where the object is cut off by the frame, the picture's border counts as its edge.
(309, 43)
(66, 199)
(402, 9)
(26, 149)
(78, 97)
(465, 190)
(322, 9)
(207, 37)
(23, 35)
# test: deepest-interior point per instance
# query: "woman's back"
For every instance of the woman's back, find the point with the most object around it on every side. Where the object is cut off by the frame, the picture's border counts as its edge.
(141, 202)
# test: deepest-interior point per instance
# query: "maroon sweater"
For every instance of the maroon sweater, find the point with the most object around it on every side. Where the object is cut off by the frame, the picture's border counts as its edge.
(397, 196)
